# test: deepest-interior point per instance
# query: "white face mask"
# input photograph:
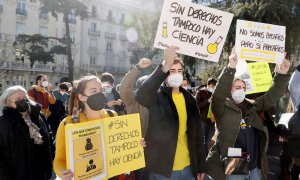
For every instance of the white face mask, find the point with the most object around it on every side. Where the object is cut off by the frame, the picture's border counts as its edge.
(211, 90)
(45, 84)
(62, 93)
(175, 80)
(238, 96)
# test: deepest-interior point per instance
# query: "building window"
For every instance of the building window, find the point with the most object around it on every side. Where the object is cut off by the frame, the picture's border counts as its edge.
(109, 46)
(72, 36)
(122, 19)
(110, 16)
(93, 27)
(92, 60)
(21, 7)
(72, 18)
(44, 31)
(94, 11)
(20, 28)
(43, 13)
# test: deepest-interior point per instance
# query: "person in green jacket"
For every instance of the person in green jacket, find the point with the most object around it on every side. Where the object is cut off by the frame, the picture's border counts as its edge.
(238, 122)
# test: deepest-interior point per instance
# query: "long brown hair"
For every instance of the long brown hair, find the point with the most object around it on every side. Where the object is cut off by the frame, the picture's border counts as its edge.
(74, 102)
(289, 108)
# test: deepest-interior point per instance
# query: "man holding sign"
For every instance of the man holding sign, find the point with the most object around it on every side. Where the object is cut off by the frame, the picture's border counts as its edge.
(175, 143)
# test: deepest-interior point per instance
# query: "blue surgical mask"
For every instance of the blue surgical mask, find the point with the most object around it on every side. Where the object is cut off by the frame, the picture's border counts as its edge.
(107, 90)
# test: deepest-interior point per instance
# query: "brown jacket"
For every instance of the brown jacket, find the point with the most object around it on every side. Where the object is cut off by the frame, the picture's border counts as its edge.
(128, 96)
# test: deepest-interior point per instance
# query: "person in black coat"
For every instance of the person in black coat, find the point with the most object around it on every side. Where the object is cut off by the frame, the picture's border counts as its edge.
(175, 142)
(25, 151)
(291, 133)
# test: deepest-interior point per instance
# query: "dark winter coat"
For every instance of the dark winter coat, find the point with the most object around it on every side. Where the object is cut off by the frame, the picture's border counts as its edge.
(20, 158)
(162, 134)
(202, 101)
(292, 133)
(120, 109)
(228, 116)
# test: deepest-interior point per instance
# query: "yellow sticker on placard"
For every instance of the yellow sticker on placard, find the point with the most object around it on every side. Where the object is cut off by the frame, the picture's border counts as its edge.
(261, 76)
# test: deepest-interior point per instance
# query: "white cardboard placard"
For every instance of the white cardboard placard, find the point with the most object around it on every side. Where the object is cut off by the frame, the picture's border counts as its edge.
(197, 30)
(259, 41)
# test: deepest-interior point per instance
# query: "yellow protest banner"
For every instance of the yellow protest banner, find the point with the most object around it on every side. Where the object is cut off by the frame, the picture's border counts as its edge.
(104, 148)
(122, 139)
(258, 77)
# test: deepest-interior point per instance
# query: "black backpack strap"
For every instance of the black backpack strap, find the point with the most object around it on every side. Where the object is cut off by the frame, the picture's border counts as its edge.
(110, 113)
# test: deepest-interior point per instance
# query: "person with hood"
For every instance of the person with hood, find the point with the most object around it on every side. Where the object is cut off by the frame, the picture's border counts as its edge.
(239, 127)
(175, 143)
(25, 140)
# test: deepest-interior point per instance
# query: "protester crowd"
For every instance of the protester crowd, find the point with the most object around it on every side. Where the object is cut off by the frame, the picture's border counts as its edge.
(216, 132)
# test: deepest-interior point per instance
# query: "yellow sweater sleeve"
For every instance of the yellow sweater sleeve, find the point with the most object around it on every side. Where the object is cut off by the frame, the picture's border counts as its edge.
(51, 98)
(60, 153)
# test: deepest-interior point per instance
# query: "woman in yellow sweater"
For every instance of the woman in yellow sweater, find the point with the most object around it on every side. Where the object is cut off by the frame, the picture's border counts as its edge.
(88, 101)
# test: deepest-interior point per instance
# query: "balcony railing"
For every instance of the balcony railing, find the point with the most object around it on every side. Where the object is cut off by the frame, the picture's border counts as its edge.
(26, 66)
(101, 68)
(93, 48)
(3, 37)
(44, 16)
(110, 69)
(110, 35)
(122, 37)
(63, 69)
(22, 12)
(110, 19)
(92, 67)
(94, 32)
(93, 15)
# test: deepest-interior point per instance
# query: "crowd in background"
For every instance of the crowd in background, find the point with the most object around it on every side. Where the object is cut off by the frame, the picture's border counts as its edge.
(188, 132)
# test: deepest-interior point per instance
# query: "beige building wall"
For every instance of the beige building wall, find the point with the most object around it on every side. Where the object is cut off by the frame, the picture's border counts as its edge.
(95, 49)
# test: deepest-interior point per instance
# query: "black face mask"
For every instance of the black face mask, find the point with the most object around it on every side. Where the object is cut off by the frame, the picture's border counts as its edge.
(22, 105)
(96, 101)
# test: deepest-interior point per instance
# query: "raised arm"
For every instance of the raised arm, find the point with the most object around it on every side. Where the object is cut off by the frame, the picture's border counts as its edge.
(128, 82)
(224, 86)
(277, 89)
(146, 94)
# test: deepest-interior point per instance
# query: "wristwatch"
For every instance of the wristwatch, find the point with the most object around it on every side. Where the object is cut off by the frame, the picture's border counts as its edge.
(138, 67)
